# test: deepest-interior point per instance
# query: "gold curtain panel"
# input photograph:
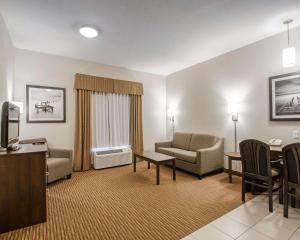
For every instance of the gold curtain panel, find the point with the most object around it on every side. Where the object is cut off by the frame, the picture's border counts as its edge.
(100, 84)
(83, 131)
(136, 123)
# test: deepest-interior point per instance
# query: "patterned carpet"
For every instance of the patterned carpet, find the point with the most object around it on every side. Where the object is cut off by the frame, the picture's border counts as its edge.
(119, 204)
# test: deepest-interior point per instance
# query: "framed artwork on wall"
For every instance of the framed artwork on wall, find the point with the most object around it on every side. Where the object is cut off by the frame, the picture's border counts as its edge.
(284, 93)
(45, 104)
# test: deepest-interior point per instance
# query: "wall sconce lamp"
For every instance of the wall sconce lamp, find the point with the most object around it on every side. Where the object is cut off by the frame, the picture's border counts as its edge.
(20, 105)
(233, 109)
(171, 115)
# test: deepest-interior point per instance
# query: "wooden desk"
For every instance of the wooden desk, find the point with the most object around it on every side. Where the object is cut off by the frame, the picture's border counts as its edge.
(23, 187)
(236, 156)
(232, 156)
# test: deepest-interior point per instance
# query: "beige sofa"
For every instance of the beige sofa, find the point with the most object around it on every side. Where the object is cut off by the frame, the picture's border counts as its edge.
(59, 161)
(195, 153)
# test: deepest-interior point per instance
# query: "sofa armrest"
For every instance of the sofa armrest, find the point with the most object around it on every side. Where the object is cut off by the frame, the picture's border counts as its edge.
(163, 144)
(60, 153)
(211, 158)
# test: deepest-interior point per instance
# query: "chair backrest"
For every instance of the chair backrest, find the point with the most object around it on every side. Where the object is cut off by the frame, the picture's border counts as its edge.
(256, 157)
(291, 162)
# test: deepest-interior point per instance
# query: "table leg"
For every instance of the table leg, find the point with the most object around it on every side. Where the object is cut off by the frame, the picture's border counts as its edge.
(157, 174)
(174, 169)
(148, 165)
(230, 169)
(134, 163)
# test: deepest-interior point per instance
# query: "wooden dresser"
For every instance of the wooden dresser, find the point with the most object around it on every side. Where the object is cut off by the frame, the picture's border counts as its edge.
(22, 187)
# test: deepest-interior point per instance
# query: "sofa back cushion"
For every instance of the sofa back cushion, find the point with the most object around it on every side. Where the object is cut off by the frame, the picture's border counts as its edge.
(182, 140)
(199, 141)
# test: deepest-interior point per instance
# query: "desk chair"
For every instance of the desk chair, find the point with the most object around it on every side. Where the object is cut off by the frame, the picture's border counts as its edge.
(257, 170)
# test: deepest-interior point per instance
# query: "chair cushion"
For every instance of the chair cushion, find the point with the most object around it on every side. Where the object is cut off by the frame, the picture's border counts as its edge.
(275, 172)
(181, 140)
(167, 151)
(187, 156)
(58, 168)
(200, 141)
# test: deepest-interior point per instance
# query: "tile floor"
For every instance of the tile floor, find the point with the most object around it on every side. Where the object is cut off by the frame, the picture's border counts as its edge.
(252, 221)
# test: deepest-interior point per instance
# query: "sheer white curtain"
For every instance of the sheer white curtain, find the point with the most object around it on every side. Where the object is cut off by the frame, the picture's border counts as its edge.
(100, 120)
(110, 119)
(119, 114)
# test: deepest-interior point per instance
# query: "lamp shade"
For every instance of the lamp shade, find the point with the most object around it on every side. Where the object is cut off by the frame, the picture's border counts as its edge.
(20, 105)
(288, 57)
(171, 112)
(233, 108)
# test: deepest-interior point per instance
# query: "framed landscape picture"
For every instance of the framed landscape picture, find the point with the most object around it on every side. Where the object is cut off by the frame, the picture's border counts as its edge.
(285, 97)
(45, 104)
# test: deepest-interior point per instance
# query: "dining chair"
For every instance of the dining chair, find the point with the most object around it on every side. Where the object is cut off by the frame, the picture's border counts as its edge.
(257, 170)
(291, 165)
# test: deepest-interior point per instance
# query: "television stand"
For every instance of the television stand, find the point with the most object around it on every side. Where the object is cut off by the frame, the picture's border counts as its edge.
(23, 187)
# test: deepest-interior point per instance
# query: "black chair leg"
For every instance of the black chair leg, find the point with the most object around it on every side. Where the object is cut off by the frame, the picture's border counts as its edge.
(243, 189)
(281, 191)
(253, 188)
(270, 198)
(281, 195)
(199, 176)
(293, 199)
(285, 202)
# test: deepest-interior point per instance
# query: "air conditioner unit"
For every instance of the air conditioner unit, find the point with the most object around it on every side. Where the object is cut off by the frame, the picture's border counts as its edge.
(112, 158)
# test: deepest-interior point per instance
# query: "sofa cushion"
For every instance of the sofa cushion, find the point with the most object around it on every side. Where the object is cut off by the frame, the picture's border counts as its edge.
(200, 141)
(59, 162)
(167, 151)
(187, 156)
(182, 140)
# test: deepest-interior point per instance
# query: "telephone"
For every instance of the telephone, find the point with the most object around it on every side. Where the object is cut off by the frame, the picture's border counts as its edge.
(275, 142)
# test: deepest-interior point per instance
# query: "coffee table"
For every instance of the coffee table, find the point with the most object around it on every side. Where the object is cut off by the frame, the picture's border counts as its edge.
(157, 159)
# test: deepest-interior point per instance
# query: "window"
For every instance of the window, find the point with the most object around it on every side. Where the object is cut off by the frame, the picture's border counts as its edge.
(110, 119)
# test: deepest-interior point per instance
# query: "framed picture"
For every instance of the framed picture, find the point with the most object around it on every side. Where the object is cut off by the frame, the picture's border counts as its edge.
(45, 104)
(285, 97)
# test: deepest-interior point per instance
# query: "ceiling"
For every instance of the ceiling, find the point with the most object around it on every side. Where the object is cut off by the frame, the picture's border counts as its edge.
(157, 36)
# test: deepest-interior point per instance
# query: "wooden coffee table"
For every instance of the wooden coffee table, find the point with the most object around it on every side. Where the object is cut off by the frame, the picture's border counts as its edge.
(157, 159)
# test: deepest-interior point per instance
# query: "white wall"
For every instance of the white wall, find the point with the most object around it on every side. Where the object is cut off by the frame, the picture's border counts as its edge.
(49, 70)
(6, 63)
(201, 93)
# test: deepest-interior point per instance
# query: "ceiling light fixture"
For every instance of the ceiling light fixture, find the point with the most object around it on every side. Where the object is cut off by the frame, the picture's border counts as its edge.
(88, 31)
(289, 53)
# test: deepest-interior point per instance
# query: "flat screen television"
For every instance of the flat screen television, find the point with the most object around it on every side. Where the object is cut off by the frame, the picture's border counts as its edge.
(10, 126)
